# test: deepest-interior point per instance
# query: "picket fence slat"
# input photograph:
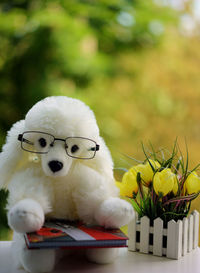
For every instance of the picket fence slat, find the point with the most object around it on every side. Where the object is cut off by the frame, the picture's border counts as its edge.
(144, 235)
(190, 232)
(132, 235)
(179, 236)
(171, 238)
(185, 236)
(173, 242)
(174, 235)
(158, 236)
(196, 229)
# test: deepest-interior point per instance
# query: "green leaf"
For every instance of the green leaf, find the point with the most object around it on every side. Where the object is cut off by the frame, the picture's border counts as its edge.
(147, 157)
(178, 165)
(136, 207)
(121, 169)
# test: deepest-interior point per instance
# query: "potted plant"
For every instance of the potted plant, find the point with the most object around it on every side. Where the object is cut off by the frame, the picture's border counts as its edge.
(161, 190)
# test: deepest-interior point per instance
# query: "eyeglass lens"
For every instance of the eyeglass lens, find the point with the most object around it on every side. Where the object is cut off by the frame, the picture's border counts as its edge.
(36, 142)
(80, 147)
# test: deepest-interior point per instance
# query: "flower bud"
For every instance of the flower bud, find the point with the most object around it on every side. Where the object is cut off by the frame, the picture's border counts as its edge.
(129, 185)
(164, 182)
(192, 183)
(146, 171)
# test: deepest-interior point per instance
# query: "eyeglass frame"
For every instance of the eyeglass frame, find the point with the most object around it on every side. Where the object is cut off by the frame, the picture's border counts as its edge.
(95, 149)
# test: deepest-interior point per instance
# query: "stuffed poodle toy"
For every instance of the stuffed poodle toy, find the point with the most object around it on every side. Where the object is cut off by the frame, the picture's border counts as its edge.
(55, 165)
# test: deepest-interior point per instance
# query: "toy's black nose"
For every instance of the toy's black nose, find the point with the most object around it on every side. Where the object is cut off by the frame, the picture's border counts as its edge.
(55, 165)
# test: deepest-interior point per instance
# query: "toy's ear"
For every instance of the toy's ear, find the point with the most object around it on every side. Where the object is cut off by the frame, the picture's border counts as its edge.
(102, 162)
(11, 153)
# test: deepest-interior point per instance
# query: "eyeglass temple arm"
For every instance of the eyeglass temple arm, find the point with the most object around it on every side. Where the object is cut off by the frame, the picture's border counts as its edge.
(20, 138)
(95, 148)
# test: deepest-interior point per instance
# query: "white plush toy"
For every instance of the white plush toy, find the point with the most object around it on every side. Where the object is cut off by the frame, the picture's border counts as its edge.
(55, 165)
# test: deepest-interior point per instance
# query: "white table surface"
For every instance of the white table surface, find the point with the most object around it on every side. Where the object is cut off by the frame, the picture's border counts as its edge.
(128, 262)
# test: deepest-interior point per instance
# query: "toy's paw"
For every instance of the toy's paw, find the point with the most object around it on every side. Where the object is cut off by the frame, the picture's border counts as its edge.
(26, 216)
(38, 260)
(102, 256)
(114, 213)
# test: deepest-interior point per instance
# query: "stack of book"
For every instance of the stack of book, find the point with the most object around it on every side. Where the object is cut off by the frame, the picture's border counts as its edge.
(65, 234)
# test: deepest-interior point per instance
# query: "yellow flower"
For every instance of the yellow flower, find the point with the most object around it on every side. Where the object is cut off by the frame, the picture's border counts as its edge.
(192, 183)
(164, 182)
(129, 185)
(154, 163)
(146, 171)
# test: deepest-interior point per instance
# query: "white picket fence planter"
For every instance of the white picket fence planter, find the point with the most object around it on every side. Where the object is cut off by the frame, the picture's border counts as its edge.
(173, 242)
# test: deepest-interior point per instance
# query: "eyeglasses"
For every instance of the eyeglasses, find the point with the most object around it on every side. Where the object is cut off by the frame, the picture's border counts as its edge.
(41, 143)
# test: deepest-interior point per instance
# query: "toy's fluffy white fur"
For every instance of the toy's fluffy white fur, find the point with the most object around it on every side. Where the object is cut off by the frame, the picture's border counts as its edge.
(82, 189)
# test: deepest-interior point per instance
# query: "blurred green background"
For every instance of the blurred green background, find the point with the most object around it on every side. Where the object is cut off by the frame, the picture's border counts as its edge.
(136, 63)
